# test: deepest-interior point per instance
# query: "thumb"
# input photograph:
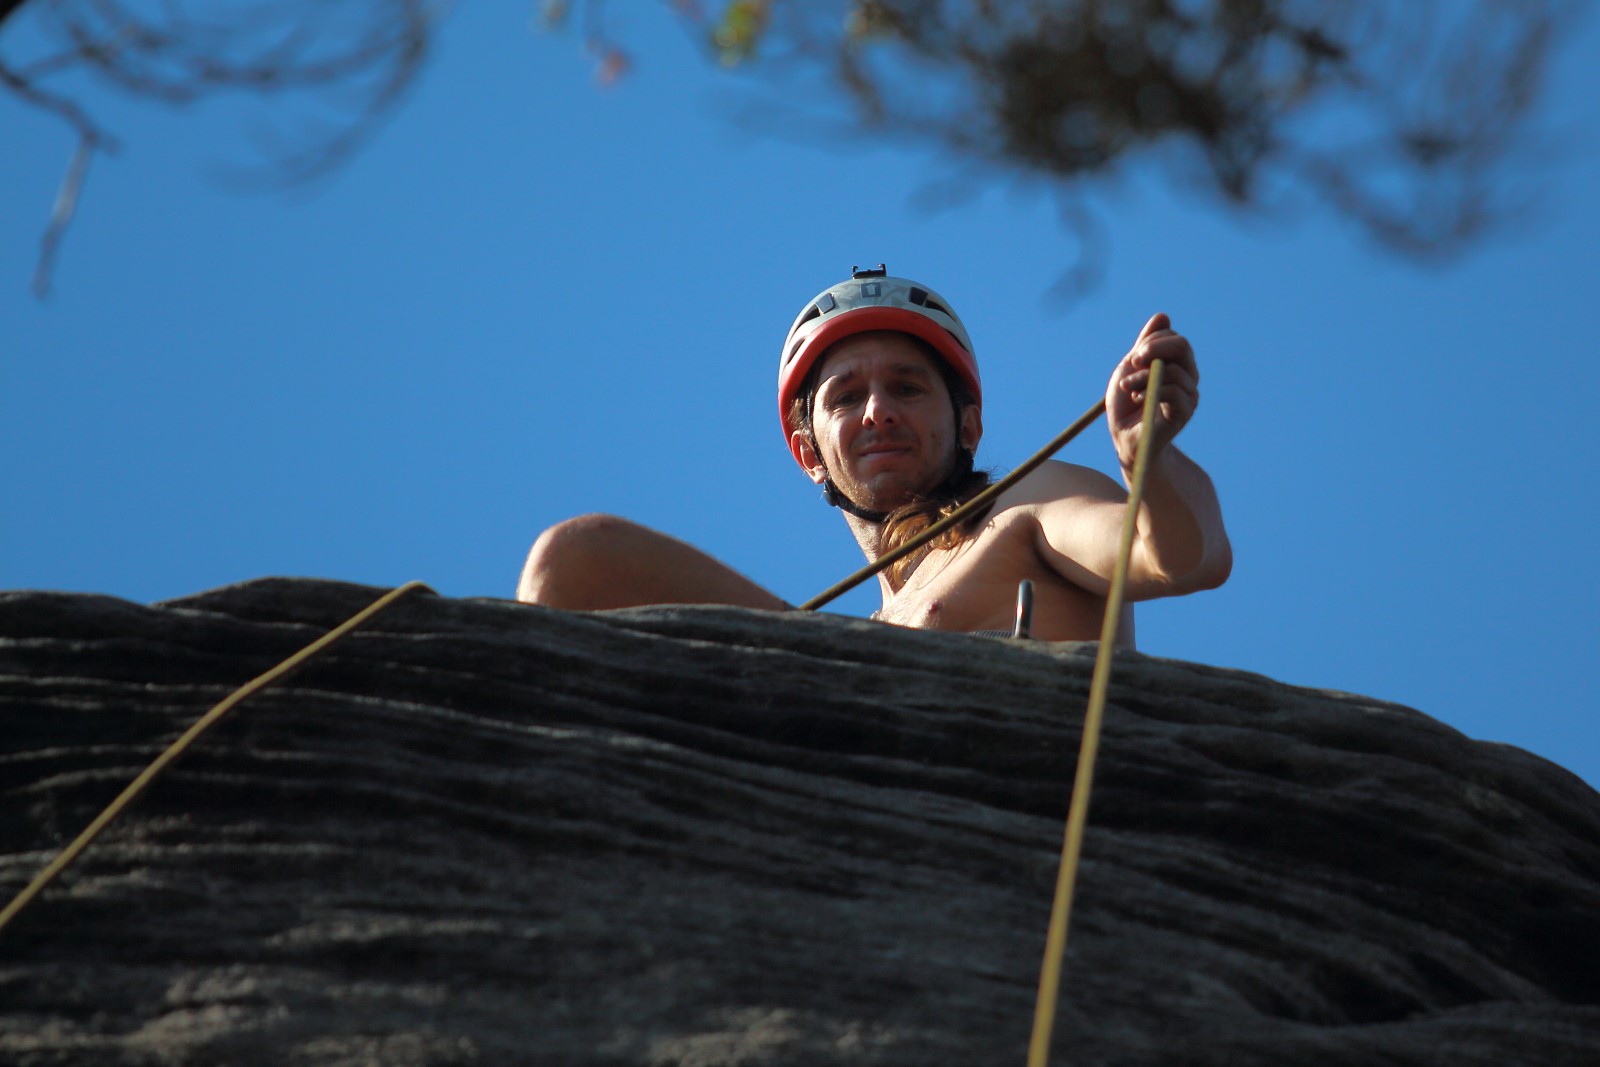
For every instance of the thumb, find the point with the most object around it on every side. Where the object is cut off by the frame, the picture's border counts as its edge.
(1159, 321)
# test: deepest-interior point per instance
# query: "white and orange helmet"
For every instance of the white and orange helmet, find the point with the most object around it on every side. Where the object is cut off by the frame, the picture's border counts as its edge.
(871, 300)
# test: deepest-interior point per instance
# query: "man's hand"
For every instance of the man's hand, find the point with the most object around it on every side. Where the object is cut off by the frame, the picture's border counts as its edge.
(1180, 389)
(1180, 544)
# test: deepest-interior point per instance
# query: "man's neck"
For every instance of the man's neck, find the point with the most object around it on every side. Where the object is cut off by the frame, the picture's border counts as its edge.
(868, 534)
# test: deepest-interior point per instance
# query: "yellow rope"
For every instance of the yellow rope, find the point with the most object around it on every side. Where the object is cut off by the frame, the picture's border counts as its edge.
(1044, 1012)
(960, 514)
(178, 747)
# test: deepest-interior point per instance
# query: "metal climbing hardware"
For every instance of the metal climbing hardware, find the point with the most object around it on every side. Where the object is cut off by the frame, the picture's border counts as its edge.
(1024, 627)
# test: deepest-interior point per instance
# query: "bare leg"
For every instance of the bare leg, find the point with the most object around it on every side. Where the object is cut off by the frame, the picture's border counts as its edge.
(600, 561)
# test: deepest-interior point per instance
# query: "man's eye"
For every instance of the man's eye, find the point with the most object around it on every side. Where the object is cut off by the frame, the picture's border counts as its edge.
(844, 400)
(911, 389)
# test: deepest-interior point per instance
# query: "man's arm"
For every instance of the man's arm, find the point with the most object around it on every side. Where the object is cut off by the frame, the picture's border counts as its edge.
(1180, 543)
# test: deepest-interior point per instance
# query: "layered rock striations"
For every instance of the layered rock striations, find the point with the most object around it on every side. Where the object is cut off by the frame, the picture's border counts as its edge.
(477, 832)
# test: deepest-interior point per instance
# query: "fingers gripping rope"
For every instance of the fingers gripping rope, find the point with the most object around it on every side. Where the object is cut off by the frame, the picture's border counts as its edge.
(178, 747)
(1044, 1012)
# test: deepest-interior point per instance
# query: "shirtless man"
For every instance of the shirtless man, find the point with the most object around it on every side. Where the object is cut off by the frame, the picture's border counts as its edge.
(881, 404)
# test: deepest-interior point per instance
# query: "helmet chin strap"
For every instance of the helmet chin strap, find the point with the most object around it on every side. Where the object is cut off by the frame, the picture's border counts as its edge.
(836, 499)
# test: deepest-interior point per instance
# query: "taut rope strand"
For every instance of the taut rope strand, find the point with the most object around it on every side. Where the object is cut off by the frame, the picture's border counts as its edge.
(1044, 1012)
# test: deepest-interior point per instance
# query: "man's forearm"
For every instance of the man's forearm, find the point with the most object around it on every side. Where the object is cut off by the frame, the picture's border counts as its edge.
(1181, 544)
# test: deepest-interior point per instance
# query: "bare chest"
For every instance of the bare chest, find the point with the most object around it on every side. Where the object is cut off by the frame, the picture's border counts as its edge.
(974, 587)
(970, 587)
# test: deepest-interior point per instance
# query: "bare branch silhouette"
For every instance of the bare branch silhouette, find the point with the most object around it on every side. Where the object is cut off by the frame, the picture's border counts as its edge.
(353, 59)
(1405, 116)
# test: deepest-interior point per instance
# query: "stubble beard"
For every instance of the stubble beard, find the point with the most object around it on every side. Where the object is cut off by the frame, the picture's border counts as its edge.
(897, 494)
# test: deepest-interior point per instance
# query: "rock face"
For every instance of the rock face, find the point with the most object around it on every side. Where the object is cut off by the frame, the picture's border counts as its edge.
(484, 833)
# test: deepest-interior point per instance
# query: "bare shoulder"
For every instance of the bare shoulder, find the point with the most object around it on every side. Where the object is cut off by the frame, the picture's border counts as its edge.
(1055, 481)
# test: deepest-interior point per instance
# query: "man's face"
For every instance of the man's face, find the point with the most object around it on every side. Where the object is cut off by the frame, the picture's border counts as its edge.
(883, 423)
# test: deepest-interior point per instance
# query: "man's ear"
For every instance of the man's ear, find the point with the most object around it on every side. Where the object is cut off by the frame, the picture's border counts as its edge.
(805, 454)
(971, 430)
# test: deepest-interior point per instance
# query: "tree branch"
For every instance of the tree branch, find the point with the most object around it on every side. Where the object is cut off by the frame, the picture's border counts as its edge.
(7, 8)
(360, 56)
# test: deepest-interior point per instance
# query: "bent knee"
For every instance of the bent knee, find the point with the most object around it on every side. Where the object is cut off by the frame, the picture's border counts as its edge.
(584, 533)
(571, 555)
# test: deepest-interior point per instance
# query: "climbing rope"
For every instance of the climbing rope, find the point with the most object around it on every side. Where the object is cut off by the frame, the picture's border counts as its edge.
(181, 745)
(1044, 1011)
(1077, 817)
(1083, 782)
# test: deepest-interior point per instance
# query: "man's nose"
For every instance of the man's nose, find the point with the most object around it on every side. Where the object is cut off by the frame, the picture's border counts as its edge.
(881, 409)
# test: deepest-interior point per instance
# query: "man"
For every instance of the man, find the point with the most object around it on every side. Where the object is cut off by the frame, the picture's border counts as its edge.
(881, 404)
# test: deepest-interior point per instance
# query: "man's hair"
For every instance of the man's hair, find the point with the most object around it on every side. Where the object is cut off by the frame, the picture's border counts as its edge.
(916, 515)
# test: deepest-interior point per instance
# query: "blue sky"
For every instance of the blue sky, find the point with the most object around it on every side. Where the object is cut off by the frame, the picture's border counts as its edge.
(531, 297)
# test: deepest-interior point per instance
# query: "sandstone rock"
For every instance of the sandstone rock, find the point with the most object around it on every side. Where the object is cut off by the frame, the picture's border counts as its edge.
(484, 833)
